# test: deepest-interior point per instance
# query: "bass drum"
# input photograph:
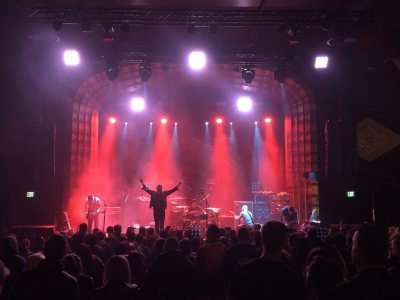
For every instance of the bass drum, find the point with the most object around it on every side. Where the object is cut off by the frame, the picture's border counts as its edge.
(197, 230)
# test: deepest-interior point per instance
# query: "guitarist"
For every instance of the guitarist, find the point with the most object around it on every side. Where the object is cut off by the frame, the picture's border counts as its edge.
(93, 205)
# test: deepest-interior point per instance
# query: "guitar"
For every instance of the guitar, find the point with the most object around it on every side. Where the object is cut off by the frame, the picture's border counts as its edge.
(67, 222)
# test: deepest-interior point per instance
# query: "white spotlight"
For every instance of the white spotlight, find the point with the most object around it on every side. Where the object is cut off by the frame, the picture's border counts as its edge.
(137, 104)
(244, 104)
(197, 60)
(206, 123)
(71, 58)
(321, 62)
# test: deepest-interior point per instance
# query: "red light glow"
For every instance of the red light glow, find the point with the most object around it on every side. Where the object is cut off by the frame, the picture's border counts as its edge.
(164, 121)
(219, 121)
(268, 120)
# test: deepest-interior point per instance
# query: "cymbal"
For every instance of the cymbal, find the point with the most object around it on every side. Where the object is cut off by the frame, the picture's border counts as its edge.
(172, 203)
(182, 206)
(214, 209)
(177, 198)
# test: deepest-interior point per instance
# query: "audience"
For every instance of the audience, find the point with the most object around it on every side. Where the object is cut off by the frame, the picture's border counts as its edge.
(267, 277)
(263, 262)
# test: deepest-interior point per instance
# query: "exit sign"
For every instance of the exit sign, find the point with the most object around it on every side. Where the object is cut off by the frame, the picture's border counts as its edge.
(30, 194)
(350, 194)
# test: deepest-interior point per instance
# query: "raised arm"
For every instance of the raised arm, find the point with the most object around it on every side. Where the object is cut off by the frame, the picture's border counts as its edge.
(144, 187)
(169, 192)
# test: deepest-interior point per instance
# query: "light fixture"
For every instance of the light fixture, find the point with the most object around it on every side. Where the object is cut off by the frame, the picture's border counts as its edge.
(219, 120)
(197, 60)
(248, 73)
(112, 120)
(164, 120)
(137, 104)
(321, 62)
(71, 57)
(145, 72)
(268, 120)
(108, 29)
(244, 104)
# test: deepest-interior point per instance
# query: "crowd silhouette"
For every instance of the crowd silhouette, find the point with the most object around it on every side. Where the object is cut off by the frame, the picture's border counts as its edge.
(264, 262)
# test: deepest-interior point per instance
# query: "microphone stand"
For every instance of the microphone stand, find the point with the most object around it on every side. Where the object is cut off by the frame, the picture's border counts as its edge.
(206, 201)
(104, 216)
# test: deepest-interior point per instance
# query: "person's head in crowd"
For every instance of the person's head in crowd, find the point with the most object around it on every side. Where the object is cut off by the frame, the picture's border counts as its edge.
(243, 235)
(231, 234)
(110, 229)
(224, 240)
(339, 240)
(33, 261)
(171, 244)
(221, 232)
(117, 270)
(117, 229)
(131, 236)
(84, 252)
(122, 248)
(9, 247)
(38, 243)
(322, 276)
(130, 229)
(292, 240)
(257, 227)
(274, 237)
(159, 245)
(196, 243)
(25, 248)
(168, 228)
(395, 245)
(4, 272)
(312, 233)
(100, 235)
(72, 264)
(137, 264)
(179, 234)
(163, 234)
(212, 233)
(54, 249)
(185, 246)
(142, 231)
(370, 247)
(83, 228)
(91, 239)
(150, 232)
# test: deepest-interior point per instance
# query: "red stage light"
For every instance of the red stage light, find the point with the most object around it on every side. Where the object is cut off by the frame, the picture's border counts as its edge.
(112, 120)
(268, 120)
(164, 121)
(219, 120)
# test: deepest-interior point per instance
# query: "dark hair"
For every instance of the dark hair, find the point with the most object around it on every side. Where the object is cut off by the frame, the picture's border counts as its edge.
(373, 243)
(54, 247)
(274, 235)
(243, 234)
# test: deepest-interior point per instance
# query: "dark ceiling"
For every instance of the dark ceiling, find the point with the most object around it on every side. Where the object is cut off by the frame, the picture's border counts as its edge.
(263, 33)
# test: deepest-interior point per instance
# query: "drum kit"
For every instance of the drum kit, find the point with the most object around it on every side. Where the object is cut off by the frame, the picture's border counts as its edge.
(186, 218)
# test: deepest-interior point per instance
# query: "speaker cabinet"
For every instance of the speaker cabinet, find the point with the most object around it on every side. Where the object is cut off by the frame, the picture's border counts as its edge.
(261, 213)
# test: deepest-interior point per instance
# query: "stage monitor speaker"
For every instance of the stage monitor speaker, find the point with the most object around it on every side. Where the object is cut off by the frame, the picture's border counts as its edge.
(261, 213)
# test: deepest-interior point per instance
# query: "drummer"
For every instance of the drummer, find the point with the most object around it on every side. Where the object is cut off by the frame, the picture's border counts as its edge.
(194, 209)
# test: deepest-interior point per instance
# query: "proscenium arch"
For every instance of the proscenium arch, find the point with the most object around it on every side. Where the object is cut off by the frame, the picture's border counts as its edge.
(295, 99)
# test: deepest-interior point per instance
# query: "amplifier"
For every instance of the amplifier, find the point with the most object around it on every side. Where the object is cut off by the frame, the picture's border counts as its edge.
(261, 212)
